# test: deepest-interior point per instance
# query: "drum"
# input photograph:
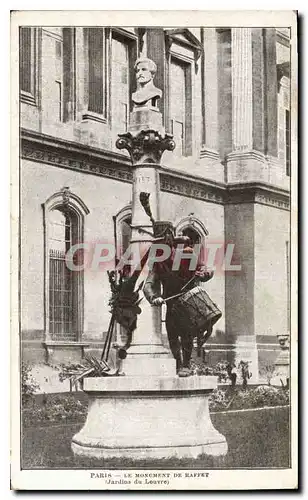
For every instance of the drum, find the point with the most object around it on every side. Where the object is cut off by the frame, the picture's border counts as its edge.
(196, 310)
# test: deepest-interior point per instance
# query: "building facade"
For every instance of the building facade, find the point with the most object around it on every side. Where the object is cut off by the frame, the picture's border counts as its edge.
(226, 100)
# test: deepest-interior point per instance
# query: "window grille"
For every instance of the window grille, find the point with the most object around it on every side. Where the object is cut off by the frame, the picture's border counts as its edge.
(61, 278)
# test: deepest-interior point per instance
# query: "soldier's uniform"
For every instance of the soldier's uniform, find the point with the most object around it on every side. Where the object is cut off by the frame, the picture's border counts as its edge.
(164, 282)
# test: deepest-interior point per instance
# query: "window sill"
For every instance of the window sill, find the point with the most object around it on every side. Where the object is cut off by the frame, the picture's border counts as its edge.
(95, 117)
(65, 343)
(53, 346)
(27, 98)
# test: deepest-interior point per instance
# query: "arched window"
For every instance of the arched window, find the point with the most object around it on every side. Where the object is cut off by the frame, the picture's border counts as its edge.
(126, 233)
(64, 227)
(122, 228)
(192, 227)
(192, 234)
(62, 287)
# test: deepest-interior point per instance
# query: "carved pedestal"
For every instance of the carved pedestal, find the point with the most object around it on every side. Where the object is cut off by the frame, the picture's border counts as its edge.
(148, 418)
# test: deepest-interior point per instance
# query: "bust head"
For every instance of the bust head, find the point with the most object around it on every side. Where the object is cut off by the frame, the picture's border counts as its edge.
(145, 70)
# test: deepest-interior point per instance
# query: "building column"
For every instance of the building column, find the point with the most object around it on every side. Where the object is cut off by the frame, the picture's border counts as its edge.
(246, 162)
(240, 285)
(271, 91)
(80, 72)
(155, 43)
(209, 153)
(258, 96)
(241, 89)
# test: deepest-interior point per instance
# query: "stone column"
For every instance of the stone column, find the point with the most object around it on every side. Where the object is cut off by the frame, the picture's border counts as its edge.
(80, 72)
(241, 89)
(258, 96)
(240, 285)
(271, 91)
(244, 163)
(145, 143)
(209, 154)
(254, 105)
(147, 353)
(209, 76)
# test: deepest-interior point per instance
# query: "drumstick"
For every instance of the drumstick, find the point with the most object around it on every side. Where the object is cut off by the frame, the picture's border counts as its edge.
(182, 293)
(174, 296)
(183, 287)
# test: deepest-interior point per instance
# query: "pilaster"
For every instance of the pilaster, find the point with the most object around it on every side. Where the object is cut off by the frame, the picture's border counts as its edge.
(155, 43)
(241, 89)
(212, 167)
(210, 90)
(80, 72)
(258, 98)
(271, 91)
(254, 108)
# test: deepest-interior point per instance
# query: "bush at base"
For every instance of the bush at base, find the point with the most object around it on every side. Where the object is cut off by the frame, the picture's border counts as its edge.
(74, 407)
(251, 397)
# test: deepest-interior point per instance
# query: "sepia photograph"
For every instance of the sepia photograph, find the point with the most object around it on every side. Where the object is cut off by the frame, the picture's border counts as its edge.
(154, 320)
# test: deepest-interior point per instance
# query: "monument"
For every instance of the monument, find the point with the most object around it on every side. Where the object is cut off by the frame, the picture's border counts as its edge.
(149, 412)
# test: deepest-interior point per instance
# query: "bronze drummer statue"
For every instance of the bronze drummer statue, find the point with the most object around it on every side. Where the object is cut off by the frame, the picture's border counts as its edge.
(190, 311)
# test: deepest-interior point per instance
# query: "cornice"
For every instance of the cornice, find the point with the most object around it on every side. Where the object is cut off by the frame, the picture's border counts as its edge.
(70, 155)
(260, 193)
(192, 188)
(61, 153)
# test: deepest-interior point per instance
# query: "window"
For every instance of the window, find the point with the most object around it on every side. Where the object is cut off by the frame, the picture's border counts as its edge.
(119, 85)
(192, 234)
(62, 300)
(123, 54)
(122, 230)
(180, 105)
(97, 72)
(192, 227)
(183, 51)
(64, 216)
(58, 89)
(27, 64)
(126, 234)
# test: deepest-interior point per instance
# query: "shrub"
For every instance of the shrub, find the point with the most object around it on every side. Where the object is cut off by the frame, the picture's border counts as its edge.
(223, 370)
(60, 408)
(253, 397)
(28, 384)
(268, 372)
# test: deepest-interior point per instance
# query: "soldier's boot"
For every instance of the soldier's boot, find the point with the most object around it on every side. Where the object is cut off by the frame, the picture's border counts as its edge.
(185, 371)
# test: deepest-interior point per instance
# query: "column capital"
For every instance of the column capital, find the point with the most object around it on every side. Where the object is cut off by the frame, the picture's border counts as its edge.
(145, 147)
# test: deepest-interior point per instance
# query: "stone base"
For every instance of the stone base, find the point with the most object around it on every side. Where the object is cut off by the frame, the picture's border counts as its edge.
(145, 118)
(136, 366)
(155, 417)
